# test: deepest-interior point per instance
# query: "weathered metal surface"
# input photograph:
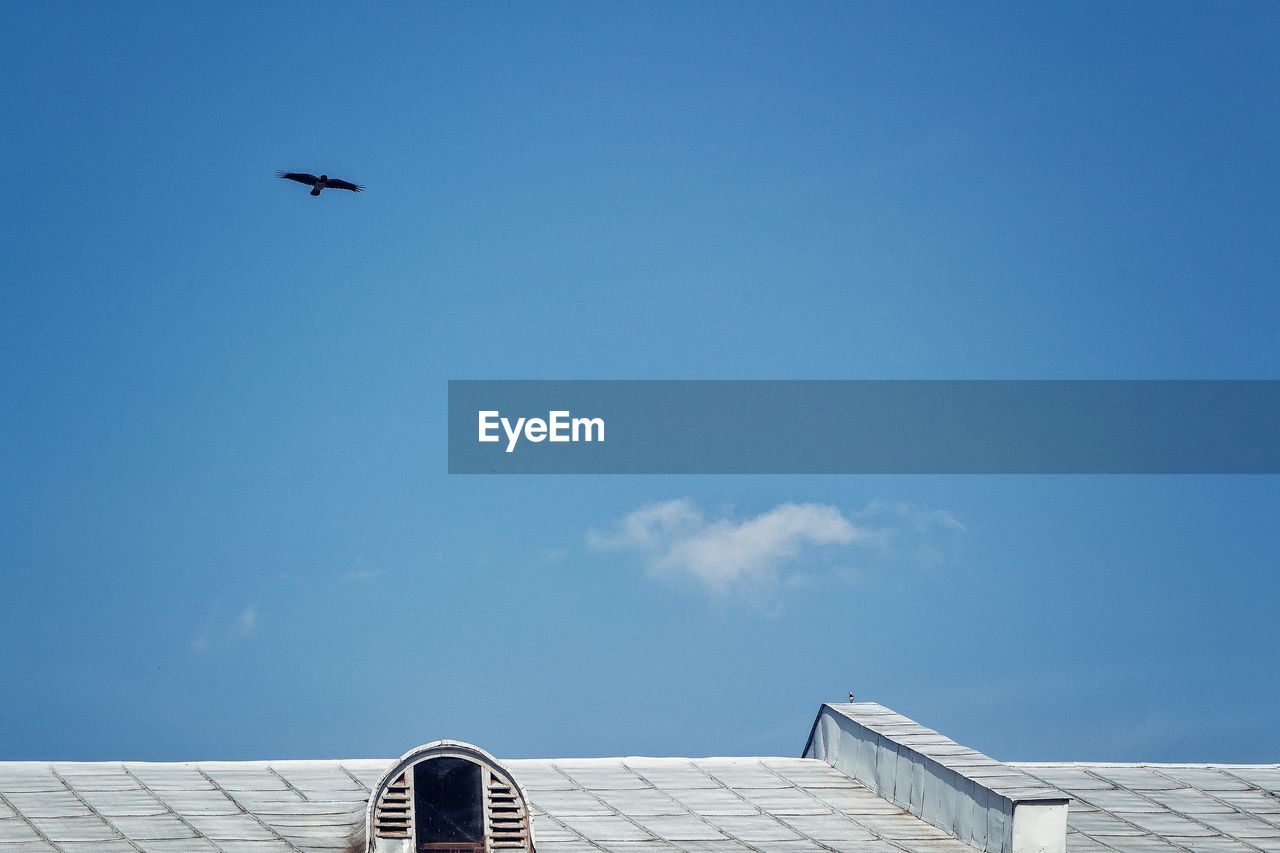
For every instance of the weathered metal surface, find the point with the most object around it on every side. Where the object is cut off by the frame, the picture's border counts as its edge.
(623, 804)
(632, 805)
(1167, 807)
(971, 797)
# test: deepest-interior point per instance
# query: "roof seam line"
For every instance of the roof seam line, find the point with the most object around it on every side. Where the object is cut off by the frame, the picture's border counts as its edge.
(1232, 806)
(188, 824)
(288, 784)
(240, 806)
(691, 812)
(1169, 809)
(355, 779)
(878, 835)
(594, 796)
(1120, 817)
(22, 817)
(1079, 798)
(94, 811)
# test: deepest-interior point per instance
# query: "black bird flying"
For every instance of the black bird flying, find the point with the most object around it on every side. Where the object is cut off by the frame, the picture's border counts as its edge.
(319, 183)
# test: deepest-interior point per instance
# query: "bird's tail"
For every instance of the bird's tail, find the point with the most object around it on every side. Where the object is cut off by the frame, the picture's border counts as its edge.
(316, 189)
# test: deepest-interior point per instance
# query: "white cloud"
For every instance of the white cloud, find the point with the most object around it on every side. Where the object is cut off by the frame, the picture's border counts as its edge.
(248, 620)
(651, 526)
(679, 541)
(219, 628)
(725, 553)
(918, 519)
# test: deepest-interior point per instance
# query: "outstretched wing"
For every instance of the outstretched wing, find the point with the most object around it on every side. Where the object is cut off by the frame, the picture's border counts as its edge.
(300, 177)
(336, 184)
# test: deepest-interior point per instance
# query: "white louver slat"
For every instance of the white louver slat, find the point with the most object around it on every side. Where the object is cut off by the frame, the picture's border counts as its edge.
(508, 822)
(392, 817)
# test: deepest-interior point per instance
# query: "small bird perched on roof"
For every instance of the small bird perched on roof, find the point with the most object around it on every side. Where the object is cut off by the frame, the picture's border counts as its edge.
(319, 183)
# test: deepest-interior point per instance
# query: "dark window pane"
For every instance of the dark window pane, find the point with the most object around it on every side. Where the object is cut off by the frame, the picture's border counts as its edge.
(446, 801)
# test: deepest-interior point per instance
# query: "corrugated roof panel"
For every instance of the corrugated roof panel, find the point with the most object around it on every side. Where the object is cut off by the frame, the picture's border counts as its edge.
(1136, 778)
(829, 828)
(686, 827)
(256, 847)
(61, 803)
(112, 803)
(201, 802)
(1263, 776)
(1224, 815)
(783, 801)
(641, 801)
(600, 775)
(29, 776)
(237, 827)
(574, 802)
(253, 776)
(902, 826)
(15, 830)
(712, 846)
(632, 804)
(1119, 800)
(1210, 845)
(742, 774)
(854, 800)
(74, 828)
(100, 778)
(713, 801)
(539, 776)
(1137, 844)
(1254, 802)
(170, 777)
(753, 828)
(152, 827)
(1242, 826)
(186, 845)
(671, 773)
(1205, 778)
(96, 847)
(317, 777)
(805, 773)
(605, 828)
(1071, 778)
(1190, 801)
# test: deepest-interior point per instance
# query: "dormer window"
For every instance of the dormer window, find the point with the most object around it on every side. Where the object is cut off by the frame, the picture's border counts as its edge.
(448, 797)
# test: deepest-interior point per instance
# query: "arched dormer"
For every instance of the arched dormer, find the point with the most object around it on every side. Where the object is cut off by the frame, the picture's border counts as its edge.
(448, 796)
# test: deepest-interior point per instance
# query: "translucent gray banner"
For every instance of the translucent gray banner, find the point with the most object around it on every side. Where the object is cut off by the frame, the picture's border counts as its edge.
(864, 427)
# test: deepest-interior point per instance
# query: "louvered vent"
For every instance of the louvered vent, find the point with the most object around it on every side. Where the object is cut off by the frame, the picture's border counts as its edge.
(508, 821)
(392, 818)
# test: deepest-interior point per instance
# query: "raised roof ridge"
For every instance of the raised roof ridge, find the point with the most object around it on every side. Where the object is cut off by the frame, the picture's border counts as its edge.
(973, 797)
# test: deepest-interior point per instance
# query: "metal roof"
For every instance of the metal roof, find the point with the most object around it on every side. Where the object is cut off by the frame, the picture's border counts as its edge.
(1167, 807)
(914, 784)
(998, 777)
(973, 798)
(612, 804)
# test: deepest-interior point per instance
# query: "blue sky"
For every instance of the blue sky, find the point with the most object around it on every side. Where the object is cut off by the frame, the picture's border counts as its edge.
(227, 527)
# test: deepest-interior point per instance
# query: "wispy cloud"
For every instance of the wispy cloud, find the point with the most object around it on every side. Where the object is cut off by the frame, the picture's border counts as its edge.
(246, 621)
(917, 518)
(678, 540)
(219, 628)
